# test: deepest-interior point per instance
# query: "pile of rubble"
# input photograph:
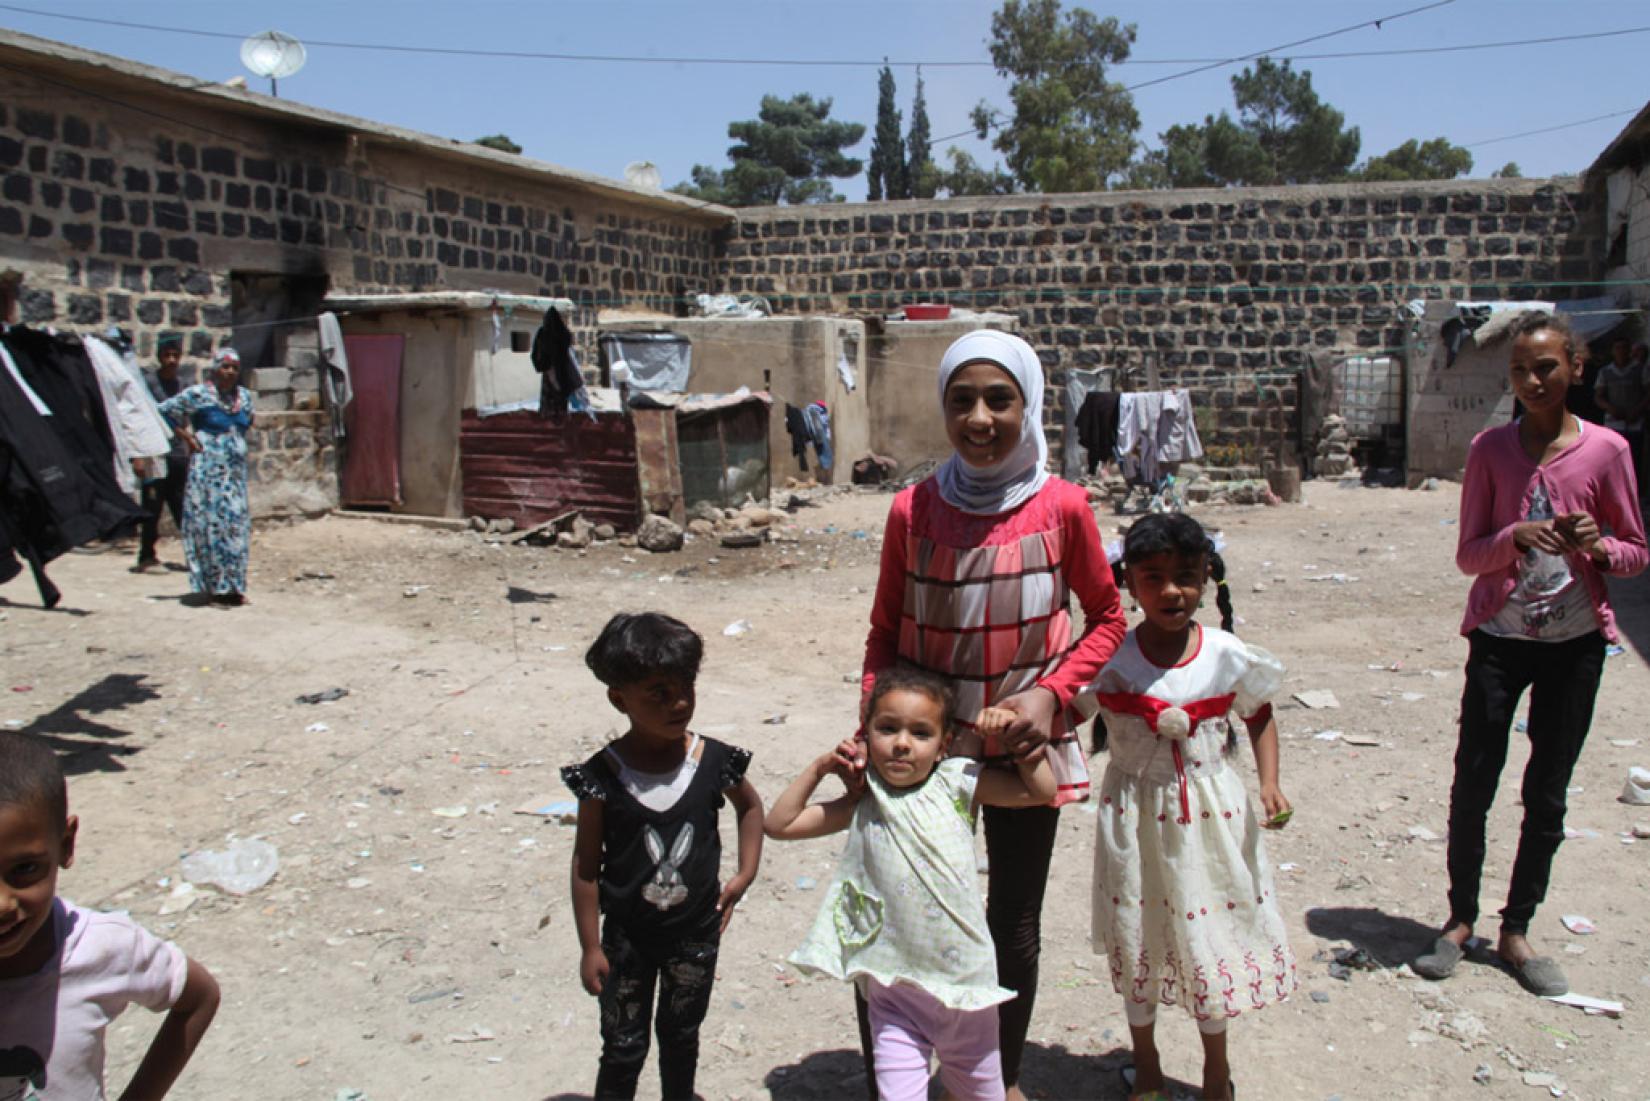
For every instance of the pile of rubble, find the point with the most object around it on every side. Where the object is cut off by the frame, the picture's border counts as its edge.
(1229, 485)
(1334, 449)
(750, 525)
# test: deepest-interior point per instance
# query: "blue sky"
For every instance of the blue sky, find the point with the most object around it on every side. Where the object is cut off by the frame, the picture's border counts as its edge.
(600, 116)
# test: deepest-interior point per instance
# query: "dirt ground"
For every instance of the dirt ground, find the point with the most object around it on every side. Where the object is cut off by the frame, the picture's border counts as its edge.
(403, 953)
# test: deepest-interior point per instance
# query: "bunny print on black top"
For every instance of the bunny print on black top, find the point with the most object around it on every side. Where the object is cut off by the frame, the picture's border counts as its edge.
(667, 888)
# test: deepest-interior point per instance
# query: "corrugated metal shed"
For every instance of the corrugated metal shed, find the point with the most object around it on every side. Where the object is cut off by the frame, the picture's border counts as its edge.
(530, 469)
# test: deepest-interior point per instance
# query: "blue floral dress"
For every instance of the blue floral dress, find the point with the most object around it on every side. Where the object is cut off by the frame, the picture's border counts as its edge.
(217, 522)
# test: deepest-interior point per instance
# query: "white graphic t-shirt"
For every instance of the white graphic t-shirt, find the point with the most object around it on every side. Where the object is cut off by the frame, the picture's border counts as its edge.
(52, 1022)
(1550, 603)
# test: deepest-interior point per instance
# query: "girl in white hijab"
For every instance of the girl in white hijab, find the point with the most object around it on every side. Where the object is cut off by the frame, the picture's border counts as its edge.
(979, 562)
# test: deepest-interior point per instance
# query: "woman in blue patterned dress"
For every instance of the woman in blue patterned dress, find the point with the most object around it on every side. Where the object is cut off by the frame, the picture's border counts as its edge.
(217, 524)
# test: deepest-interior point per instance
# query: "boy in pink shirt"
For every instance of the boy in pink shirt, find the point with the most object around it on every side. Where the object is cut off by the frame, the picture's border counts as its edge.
(66, 972)
(1537, 496)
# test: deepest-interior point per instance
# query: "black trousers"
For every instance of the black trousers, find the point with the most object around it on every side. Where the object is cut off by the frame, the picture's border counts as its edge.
(1020, 846)
(162, 493)
(683, 970)
(1563, 680)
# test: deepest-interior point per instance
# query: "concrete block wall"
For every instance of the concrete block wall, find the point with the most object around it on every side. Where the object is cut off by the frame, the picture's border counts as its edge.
(117, 217)
(1215, 287)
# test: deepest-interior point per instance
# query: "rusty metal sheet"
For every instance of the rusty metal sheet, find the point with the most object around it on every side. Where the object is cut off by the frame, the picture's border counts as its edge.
(659, 469)
(529, 469)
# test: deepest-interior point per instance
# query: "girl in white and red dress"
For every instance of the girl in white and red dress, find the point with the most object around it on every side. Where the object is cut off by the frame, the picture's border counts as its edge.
(979, 564)
(1184, 908)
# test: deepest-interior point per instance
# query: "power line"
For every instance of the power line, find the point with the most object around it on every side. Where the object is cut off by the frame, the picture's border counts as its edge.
(1550, 129)
(530, 55)
(1221, 62)
(1376, 23)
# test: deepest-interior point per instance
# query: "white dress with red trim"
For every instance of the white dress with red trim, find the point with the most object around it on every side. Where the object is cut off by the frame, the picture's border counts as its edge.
(1184, 906)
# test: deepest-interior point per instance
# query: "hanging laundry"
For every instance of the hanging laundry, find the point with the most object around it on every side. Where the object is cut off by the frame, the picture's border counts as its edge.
(53, 498)
(554, 359)
(138, 429)
(845, 371)
(335, 382)
(1155, 427)
(796, 426)
(1097, 427)
(819, 432)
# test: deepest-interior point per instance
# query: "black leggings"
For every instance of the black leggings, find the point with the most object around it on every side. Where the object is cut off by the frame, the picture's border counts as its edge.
(1563, 681)
(163, 493)
(1020, 846)
(684, 970)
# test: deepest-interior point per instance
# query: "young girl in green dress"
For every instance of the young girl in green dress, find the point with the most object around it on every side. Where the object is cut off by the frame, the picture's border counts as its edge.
(903, 918)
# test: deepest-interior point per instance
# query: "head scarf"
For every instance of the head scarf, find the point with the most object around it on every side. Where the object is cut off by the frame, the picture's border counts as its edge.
(226, 357)
(169, 340)
(985, 490)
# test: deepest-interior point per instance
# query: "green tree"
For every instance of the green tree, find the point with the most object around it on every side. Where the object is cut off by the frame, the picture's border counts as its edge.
(789, 153)
(886, 177)
(1183, 161)
(1071, 128)
(1508, 171)
(1283, 134)
(921, 173)
(966, 177)
(1437, 159)
(501, 142)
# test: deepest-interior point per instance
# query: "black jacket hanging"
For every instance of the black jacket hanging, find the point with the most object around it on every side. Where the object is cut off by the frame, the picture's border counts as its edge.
(1097, 427)
(553, 359)
(57, 484)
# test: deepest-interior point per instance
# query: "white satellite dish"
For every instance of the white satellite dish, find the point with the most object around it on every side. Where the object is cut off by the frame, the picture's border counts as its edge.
(643, 174)
(274, 55)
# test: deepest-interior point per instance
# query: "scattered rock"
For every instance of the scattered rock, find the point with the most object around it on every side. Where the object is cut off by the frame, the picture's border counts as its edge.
(659, 534)
(604, 532)
(702, 528)
(743, 539)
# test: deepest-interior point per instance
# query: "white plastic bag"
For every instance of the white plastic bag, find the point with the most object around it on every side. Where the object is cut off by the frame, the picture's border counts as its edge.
(240, 869)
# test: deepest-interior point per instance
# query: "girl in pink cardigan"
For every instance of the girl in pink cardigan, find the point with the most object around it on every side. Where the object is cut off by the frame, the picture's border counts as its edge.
(1537, 497)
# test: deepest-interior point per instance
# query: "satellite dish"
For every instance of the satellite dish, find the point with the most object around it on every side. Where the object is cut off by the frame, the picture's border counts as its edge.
(274, 55)
(643, 174)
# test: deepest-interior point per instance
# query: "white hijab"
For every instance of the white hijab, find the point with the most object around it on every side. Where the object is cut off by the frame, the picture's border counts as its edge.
(986, 490)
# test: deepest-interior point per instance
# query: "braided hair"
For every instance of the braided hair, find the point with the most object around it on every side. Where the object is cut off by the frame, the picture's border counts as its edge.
(1172, 533)
(1177, 533)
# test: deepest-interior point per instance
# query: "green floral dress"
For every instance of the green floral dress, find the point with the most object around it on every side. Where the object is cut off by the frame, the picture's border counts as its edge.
(904, 905)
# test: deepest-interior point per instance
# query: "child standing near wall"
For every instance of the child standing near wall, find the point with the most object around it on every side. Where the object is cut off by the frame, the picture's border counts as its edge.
(66, 972)
(647, 854)
(1536, 497)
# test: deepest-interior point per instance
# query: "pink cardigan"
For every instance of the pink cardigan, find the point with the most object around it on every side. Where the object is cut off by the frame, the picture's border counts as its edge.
(1594, 475)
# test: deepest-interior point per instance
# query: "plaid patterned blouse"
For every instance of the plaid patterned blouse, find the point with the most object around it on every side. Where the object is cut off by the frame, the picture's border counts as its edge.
(986, 602)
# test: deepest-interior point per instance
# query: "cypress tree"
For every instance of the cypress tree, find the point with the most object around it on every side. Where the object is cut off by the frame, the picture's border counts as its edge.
(887, 171)
(921, 175)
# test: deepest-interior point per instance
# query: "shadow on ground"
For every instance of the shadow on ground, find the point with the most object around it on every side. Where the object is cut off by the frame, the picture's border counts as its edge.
(1390, 939)
(59, 610)
(1630, 597)
(84, 743)
(1049, 1071)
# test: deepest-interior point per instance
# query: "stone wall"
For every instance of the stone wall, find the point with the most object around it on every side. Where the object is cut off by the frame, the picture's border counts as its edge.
(137, 215)
(292, 465)
(1205, 289)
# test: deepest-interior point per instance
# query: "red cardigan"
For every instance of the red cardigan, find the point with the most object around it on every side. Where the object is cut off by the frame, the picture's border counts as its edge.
(1083, 563)
(1593, 475)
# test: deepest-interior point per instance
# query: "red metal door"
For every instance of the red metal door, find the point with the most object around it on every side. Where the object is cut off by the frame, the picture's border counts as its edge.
(372, 462)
